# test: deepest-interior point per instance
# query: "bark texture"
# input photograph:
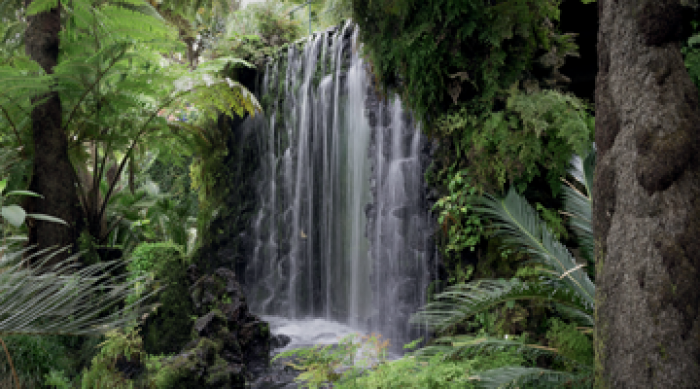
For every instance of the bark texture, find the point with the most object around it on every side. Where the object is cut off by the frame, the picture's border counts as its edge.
(52, 174)
(646, 200)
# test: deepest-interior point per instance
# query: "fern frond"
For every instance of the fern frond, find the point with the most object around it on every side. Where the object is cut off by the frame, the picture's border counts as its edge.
(213, 96)
(467, 346)
(142, 23)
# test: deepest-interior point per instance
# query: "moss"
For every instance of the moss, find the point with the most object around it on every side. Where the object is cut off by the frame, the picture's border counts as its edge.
(599, 338)
(218, 373)
(265, 330)
(175, 374)
(166, 330)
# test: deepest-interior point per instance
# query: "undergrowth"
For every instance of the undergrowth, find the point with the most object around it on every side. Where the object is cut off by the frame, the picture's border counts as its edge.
(339, 366)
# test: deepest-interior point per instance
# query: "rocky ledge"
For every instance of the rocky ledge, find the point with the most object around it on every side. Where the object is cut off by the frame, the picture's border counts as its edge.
(229, 345)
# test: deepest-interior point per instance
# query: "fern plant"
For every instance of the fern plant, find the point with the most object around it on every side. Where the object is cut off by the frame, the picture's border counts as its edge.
(563, 282)
(112, 86)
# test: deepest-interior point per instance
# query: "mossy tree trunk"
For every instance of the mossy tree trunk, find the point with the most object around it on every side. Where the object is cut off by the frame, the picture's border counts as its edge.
(52, 175)
(646, 200)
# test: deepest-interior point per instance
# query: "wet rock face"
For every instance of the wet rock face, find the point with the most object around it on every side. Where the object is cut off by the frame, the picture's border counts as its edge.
(229, 346)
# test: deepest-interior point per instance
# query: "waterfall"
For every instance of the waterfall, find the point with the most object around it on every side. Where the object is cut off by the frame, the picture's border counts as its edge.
(342, 229)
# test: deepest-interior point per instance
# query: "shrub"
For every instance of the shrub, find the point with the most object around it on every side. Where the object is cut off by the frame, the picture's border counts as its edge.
(33, 356)
(103, 372)
(338, 364)
(258, 31)
(571, 342)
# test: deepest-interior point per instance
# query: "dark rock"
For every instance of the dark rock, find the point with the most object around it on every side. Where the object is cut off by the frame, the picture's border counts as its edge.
(210, 323)
(230, 344)
(192, 274)
(279, 341)
(235, 311)
(130, 368)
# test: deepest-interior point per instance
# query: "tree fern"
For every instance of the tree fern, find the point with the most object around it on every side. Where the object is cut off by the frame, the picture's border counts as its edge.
(112, 86)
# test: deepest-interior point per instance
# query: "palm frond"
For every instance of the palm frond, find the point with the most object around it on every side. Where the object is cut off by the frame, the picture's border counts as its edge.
(583, 318)
(522, 228)
(578, 204)
(460, 302)
(63, 299)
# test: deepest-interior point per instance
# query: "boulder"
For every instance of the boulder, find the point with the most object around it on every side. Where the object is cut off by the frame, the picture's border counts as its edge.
(279, 341)
(229, 344)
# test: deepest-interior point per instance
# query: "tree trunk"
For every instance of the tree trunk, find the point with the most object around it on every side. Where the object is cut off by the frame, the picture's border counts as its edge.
(646, 200)
(52, 175)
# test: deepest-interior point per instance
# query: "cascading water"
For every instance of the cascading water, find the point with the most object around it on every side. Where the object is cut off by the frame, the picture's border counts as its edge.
(342, 228)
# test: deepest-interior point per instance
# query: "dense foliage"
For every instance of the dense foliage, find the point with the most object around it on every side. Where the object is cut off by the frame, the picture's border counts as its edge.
(118, 94)
(483, 77)
(259, 31)
(491, 358)
(165, 262)
(448, 51)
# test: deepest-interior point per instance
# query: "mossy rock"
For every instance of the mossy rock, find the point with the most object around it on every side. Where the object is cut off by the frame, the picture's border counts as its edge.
(167, 329)
(200, 367)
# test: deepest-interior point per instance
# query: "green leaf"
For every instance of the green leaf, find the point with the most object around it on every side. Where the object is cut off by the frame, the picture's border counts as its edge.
(14, 214)
(146, 203)
(3, 184)
(23, 193)
(38, 6)
(47, 218)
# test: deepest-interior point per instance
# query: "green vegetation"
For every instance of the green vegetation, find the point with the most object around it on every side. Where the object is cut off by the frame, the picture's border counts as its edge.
(483, 77)
(339, 364)
(166, 263)
(118, 94)
(492, 357)
(490, 93)
(33, 357)
(38, 304)
(258, 31)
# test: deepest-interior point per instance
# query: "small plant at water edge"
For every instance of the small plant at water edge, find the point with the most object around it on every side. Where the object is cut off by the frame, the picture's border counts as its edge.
(324, 364)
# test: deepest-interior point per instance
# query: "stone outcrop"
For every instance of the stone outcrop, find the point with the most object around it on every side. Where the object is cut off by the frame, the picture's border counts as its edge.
(229, 346)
